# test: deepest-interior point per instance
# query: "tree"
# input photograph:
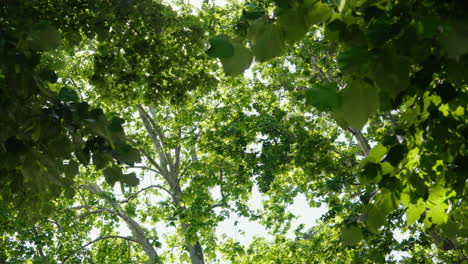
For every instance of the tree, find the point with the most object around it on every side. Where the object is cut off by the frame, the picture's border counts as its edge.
(380, 70)
(341, 107)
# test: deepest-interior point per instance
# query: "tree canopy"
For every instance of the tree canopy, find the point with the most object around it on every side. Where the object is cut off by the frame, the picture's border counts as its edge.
(165, 119)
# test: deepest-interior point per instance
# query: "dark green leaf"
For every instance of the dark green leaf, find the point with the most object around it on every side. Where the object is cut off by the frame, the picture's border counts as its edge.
(324, 96)
(266, 39)
(318, 13)
(375, 218)
(130, 179)
(351, 236)
(113, 174)
(293, 24)
(359, 102)
(238, 63)
(44, 36)
(68, 95)
(220, 47)
(125, 153)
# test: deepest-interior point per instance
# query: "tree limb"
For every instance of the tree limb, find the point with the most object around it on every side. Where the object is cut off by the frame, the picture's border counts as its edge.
(142, 167)
(155, 137)
(362, 141)
(144, 189)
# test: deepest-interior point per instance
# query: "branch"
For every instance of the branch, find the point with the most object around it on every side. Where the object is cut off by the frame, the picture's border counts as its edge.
(194, 154)
(177, 154)
(142, 167)
(144, 189)
(152, 161)
(96, 240)
(149, 124)
(362, 141)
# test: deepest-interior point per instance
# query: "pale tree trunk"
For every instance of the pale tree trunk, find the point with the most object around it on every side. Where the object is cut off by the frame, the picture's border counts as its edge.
(362, 141)
(195, 250)
(168, 168)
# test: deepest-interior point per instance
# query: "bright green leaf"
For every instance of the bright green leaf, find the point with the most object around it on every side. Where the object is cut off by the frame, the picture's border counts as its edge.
(377, 153)
(414, 211)
(437, 215)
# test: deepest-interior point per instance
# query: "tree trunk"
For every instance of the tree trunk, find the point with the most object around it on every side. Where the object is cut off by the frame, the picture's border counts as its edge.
(362, 141)
(195, 250)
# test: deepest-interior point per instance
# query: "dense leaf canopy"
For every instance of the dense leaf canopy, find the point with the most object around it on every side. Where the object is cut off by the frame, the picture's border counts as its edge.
(132, 129)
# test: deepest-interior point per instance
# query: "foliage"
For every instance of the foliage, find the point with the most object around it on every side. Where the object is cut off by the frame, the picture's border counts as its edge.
(341, 106)
(47, 130)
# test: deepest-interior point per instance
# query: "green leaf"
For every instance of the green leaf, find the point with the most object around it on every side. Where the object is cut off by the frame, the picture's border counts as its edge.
(83, 155)
(387, 168)
(342, 5)
(351, 236)
(113, 174)
(414, 211)
(130, 179)
(266, 39)
(370, 174)
(252, 15)
(71, 169)
(220, 47)
(450, 229)
(437, 214)
(125, 153)
(395, 154)
(323, 96)
(318, 13)
(68, 95)
(60, 147)
(239, 62)
(355, 59)
(436, 195)
(375, 218)
(283, 3)
(293, 24)
(44, 36)
(455, 41)
(359, 102)
(69, 193)
(377, 153)
(391, 73)
(428, 26)
(116, 125)
(101, 159)
(48, 75)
